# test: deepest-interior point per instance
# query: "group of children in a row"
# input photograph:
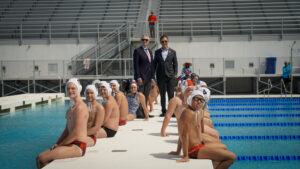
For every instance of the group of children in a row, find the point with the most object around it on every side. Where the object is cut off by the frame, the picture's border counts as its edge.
(87, 122)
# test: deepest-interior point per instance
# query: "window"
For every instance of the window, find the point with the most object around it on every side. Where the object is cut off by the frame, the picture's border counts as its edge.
(229, 64)
(52, 68)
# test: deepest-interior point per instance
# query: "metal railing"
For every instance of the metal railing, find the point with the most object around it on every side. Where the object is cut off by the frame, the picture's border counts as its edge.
(109, 47)
(232, 26)
(97, 29)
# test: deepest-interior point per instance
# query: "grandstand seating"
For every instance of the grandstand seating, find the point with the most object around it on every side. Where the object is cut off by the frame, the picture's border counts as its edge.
(64, 18)
(236, 17)
(47, 19)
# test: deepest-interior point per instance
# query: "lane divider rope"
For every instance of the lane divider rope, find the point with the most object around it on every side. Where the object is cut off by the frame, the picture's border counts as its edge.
(266, 158)
(255, 115)
(255, 109)
(255, 124)
(273, 137)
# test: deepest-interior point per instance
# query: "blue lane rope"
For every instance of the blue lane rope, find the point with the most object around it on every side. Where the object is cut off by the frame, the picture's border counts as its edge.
(255, 109)
(254, 124)
(255, 115)
(255, 104)
(255, 100)
(273, 137)
(266, 158)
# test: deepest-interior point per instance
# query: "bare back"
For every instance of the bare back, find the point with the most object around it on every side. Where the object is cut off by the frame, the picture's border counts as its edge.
(123, 104)
(112, 114)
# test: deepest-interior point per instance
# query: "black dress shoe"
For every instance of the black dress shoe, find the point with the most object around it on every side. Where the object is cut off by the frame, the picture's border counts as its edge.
(162, 115)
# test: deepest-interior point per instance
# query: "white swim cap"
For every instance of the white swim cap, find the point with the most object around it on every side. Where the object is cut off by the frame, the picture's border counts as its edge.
(107, 86)
(202, 84)
(75, 81)
(96, 83)
(206, 93)
(185, 84)
(93, 88)
(194, 93)
(116, 83)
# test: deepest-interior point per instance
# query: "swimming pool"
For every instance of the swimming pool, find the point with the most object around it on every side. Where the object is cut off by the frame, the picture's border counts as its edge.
(263, 133)
(28, 132)
(244, 129)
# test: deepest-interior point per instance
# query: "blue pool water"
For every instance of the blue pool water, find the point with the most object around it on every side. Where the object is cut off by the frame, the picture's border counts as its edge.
(242, 111)
(28, 132)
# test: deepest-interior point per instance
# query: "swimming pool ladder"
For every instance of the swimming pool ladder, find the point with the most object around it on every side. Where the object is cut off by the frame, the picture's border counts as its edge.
(267, 89)
(282, 85)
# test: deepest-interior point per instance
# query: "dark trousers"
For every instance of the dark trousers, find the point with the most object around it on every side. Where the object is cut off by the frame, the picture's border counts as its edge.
(145, 89)
(165, 85)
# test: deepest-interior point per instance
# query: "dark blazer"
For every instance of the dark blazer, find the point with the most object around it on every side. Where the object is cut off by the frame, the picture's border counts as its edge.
(167, 68)
(142, 68)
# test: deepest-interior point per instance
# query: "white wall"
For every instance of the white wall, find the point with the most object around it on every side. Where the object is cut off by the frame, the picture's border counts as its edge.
(234, 49)
(19, 61)
(242, 52)
(41, 52)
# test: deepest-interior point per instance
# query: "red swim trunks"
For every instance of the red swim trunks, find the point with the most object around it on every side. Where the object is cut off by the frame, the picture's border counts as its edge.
(81, 145)
(94, 138)
(193, 152)
(122, 122)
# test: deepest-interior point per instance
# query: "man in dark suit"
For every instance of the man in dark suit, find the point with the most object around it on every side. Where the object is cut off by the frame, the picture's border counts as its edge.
(166, 67)
(143, 67)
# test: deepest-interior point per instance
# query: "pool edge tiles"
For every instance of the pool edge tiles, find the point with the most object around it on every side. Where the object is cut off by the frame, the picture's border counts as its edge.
(12, 102)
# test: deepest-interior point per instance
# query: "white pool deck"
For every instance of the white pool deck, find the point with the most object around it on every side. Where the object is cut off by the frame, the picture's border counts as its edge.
(11, 102)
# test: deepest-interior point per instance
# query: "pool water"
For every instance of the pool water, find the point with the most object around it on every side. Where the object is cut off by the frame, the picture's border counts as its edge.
(26, 133)
(281, 111)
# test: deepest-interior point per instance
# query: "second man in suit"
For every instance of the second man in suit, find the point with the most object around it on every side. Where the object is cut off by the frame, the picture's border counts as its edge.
(166, 67)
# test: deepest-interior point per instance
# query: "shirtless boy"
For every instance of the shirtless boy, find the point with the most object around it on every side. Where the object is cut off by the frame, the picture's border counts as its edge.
(121, 100)
(112, 114)
(177, 105)
(193, 146)
(72, 142)
(96, 115)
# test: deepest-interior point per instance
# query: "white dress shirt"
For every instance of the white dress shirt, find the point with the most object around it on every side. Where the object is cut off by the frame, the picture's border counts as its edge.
(164, 53)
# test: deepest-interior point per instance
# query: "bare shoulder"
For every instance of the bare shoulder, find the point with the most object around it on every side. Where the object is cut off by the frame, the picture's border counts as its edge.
(99, 107)
(174, 101)
(81, 108)
(141, 95)
(187, 114)
(120, 95)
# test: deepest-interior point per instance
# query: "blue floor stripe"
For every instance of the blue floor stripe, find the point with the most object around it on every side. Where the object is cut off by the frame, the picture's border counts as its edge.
(254, 104)
(265, 158)
(273, 137)
(255, 100)
(254, 109)
(255, 115)
(254, 124)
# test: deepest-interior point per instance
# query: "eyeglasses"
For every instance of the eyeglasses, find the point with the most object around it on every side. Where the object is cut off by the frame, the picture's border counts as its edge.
(198, 99)
(163, 41)
(145, 40)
